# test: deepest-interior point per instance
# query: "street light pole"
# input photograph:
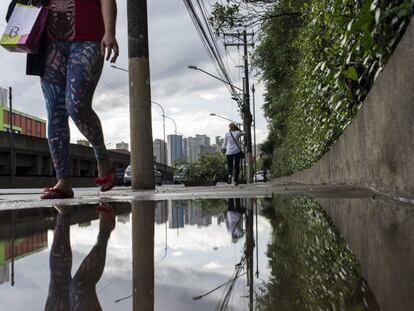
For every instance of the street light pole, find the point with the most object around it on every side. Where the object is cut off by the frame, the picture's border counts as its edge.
(142, 158)
(215, 77)
(219, 116)
(163, 125)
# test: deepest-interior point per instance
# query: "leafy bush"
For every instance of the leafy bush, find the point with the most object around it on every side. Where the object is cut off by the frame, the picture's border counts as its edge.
(209, 167)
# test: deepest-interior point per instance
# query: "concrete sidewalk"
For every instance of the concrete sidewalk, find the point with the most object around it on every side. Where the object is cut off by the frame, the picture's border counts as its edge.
(30, 198)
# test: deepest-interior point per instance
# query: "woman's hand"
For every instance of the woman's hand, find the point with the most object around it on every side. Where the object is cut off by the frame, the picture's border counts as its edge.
(109, 45)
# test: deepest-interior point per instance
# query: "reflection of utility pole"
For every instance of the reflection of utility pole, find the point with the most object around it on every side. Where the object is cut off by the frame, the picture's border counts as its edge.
(247, 116)
(12, 245)
(143, 255)
(249, 249)
(254, 134)
(142, 160)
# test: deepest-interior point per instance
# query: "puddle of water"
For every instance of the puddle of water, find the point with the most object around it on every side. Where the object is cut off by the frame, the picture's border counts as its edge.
(227, 254)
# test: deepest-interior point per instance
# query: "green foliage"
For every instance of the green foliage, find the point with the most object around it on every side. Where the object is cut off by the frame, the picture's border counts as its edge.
(213, 207)
(340, 48)
(311, 265)
(210, 167)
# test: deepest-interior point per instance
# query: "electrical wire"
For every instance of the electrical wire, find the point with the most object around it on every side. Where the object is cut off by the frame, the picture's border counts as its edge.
(206, 34)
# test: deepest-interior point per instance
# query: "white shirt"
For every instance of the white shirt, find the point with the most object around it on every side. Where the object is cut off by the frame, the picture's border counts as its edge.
(234, 223)
(230, 145)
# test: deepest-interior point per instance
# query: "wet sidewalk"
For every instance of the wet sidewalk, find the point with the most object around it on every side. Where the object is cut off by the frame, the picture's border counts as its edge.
(29, 198)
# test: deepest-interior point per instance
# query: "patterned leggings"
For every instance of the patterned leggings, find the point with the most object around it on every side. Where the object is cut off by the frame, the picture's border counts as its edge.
(72, 71)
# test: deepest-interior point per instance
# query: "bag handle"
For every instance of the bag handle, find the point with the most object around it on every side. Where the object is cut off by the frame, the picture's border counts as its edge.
(235, 141)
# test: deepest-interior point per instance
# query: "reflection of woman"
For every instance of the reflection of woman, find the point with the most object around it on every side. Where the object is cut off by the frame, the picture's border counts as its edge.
(79, 292)
(231, 145)
(78, 35)
(234, 219)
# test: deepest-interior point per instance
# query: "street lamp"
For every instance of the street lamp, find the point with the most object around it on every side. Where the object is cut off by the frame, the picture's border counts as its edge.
(163, 125)
(215, 77)
(175, 124)
(219, 116)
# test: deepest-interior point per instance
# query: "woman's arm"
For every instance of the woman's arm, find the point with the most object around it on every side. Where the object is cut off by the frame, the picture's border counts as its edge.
(109, 43)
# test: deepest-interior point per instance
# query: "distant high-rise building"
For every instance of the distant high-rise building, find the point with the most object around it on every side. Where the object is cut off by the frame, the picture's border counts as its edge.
(195, 146)
(174, 149)
(161, 212)
(3, 97)
(204, 139)
(219, 142)
(207, 150)
(122, 146)
(176, 211)
(185, 149)
(4, 273)
(160, 148)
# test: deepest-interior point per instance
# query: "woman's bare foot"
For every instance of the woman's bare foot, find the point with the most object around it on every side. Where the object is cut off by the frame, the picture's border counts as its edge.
(64, 185)
(104, 167)
(106, 217)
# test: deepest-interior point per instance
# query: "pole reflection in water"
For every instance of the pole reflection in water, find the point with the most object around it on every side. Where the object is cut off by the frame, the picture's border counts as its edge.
(143, 255)
(237, 210)
(79, 292)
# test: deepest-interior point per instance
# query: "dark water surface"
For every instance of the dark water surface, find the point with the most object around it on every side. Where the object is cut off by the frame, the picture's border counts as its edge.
(290, 253)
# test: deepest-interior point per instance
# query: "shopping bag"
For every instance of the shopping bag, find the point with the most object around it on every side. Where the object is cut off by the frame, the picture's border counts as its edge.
(25, 28)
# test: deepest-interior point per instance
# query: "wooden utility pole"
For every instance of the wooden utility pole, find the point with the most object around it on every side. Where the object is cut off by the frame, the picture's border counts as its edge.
(142, 161)
(240, 39)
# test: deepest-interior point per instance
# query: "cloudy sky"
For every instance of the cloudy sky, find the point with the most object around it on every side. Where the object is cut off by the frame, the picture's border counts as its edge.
(188, 96)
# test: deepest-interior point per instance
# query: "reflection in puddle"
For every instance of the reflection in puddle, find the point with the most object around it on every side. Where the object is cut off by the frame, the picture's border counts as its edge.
(227, 254)
(311, 266)
(77, 292)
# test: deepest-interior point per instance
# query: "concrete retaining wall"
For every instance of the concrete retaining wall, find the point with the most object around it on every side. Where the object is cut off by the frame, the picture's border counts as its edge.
(377, 149)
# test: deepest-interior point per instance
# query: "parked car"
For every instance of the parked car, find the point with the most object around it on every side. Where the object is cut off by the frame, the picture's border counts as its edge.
(128, 176)
(179, 178)
(119, 176)
(260, 176)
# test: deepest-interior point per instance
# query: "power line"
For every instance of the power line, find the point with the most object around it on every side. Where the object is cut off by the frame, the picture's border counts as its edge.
(209, 41)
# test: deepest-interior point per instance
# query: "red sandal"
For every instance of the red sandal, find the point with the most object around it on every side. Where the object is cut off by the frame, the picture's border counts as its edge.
(55, 193)
(106, 182)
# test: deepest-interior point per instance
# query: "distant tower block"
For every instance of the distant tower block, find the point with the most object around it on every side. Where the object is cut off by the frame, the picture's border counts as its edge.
(122, 146)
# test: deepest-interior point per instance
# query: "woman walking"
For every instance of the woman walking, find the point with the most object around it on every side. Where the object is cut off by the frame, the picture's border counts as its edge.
(233, 151)
(79, 36)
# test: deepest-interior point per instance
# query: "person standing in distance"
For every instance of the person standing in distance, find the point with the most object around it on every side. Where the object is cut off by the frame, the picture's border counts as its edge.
(231, 147)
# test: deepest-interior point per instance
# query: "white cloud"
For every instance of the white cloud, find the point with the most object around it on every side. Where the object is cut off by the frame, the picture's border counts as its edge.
(212, 265)
(209, 96)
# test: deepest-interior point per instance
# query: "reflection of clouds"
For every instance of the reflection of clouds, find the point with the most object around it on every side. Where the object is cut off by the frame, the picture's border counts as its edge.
(200, 238)
(177, 254)
(191, 267)
(175, 287)
(212, 265)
